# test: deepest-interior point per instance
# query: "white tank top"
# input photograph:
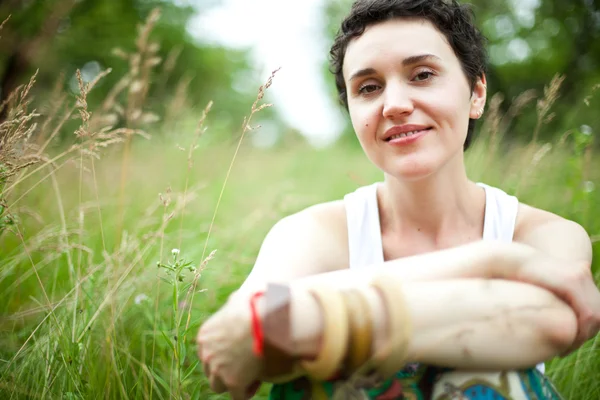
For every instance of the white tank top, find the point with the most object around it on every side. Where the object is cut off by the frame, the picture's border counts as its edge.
(364, 232)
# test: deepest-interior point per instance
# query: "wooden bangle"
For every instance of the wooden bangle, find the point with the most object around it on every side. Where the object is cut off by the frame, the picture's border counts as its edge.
(334, 338)
(361, 331)
(393, 355)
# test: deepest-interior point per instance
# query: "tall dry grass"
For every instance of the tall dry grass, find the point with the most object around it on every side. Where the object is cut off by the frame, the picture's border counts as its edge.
(116, 247)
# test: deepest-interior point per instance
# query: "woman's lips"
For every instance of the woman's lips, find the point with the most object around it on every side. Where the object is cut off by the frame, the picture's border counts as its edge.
(407, 138)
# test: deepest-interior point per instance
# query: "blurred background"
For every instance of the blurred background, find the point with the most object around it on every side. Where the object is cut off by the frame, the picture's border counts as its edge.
(146, 149)
(222, 50)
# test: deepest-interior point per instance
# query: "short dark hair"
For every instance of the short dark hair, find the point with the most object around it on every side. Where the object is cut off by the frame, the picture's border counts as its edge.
(454, 20)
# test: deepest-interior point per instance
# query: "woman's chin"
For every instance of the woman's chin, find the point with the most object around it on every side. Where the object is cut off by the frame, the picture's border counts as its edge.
(410, 171)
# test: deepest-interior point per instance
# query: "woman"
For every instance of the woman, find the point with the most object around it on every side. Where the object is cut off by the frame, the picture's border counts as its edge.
(450, 273)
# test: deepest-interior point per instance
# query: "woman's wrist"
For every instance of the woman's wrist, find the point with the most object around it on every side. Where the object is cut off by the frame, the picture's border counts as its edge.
(305, 318)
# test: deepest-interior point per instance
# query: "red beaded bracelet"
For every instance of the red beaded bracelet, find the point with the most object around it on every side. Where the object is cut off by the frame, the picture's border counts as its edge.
(257, 332)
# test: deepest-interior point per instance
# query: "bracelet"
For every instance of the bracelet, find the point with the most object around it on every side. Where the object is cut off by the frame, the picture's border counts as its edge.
(394, 355)
(257, 332)
(335, 335)
(347, 335)
(361, 331)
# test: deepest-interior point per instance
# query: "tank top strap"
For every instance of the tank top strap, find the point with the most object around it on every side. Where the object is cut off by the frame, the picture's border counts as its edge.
(364, 232)
(500, 214)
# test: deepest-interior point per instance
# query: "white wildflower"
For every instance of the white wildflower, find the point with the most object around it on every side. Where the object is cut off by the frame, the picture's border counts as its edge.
(140, 298)
(586, 130)
(175, 252)
(588, 186)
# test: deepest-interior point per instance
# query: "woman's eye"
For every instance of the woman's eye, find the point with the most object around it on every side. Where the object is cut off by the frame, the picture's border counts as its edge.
(366, 89)
(423, 76)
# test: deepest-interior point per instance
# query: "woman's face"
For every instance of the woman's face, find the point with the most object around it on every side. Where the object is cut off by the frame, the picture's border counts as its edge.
(408, 98)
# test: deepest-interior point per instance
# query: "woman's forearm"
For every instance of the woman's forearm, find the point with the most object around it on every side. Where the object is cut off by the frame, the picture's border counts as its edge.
(462, 316)
(486, 324)
(466, 323)
(475, 260)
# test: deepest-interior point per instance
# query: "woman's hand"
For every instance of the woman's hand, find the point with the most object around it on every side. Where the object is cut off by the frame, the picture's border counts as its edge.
(225, 350)
(571, 281)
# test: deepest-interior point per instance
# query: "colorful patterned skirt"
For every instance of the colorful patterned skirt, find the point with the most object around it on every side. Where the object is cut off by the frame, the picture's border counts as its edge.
(420, 382)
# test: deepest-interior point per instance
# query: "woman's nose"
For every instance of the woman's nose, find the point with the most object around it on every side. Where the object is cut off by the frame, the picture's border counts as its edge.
(397, 101)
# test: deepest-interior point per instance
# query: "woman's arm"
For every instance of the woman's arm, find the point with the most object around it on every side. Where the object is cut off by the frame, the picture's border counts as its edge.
(462, 323)
(467, 323)
(537, 335)
(429, 277)
(571, 280)
(553, 253)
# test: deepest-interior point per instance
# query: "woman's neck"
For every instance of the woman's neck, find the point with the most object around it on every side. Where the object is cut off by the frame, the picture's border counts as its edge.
(439, 204)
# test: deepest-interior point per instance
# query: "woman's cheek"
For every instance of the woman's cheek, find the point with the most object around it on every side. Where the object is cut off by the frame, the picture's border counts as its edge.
(364, 132)
(362, 122)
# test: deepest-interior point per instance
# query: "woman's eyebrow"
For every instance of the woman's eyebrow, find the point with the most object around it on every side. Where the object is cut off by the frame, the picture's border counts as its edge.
(406, 62)
(362, 72)
(420, 58)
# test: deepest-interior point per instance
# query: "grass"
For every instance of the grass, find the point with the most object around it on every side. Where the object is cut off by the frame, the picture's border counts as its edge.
(114, 249)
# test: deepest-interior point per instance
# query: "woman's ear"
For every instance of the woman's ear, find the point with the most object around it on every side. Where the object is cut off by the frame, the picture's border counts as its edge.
(478, 98)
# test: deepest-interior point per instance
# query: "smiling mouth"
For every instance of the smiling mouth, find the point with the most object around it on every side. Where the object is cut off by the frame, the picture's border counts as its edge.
(406, 134)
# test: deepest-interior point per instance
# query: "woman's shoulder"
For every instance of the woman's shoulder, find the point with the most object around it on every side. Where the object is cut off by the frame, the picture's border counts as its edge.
(328, 216)
(311, 241)
(331, 217)
(320, 228)
(548, 231)
(530, 218)
(323, 220)
(330, 211)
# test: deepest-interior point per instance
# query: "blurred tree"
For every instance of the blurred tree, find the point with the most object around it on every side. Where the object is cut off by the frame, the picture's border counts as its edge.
(60, 36)
(530, 41)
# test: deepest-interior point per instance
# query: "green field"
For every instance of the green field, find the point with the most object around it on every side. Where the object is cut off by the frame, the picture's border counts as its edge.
(86, 312)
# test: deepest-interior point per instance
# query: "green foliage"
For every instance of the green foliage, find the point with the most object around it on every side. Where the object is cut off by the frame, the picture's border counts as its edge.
(175, 338)
(90, 35)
